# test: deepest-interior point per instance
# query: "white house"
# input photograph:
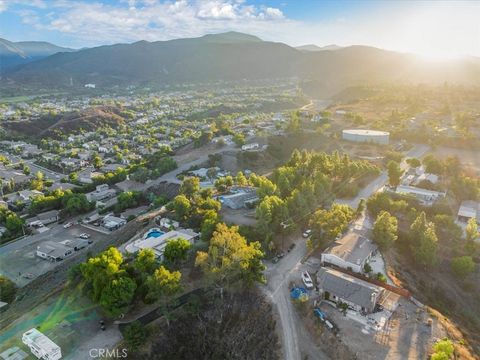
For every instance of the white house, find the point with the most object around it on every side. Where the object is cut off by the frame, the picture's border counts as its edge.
(426, 197)
(248, 147)
(352, 251)
(41, 346)
(157, 240)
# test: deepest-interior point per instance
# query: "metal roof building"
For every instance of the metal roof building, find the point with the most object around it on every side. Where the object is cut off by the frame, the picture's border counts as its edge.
(372, 136)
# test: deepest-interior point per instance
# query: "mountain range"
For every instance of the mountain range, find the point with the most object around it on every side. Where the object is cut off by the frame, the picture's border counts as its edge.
(13, 54)
(236, 56)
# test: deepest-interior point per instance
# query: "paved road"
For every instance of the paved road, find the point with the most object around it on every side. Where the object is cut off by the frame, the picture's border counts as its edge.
(417, 152)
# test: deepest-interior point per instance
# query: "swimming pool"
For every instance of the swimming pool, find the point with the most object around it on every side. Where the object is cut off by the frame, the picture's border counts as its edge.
(155, 233)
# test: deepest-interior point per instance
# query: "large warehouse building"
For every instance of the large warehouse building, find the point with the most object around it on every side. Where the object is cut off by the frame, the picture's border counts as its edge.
(371, 136)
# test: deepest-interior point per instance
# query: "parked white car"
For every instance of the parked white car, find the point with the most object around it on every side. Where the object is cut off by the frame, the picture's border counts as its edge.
(67, 225)
(307, 280)
(307, 233)
(84, 236)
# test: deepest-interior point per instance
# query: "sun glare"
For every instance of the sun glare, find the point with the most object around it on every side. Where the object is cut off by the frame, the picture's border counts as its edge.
(440, 34)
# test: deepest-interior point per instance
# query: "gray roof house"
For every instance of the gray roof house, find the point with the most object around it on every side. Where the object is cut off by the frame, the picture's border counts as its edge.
(339, 287)
(239, 199)
(53, 251)
(350, 252)
(469, 209)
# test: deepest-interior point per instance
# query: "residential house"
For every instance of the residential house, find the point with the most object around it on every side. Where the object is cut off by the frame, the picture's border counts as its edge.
(241, 199)
(112, 223)
(100, 193)
(469, 209)
(351, 252)
(339, 287)
(426, 197)
(44, 218)
(157, 240)
(53, 251)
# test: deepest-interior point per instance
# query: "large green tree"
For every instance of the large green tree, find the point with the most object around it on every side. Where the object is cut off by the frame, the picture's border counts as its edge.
(163, 283)
(145, 262)
(462, 266)
(182, 206)
(176, 250)
(385, 230)
(394, 173)
(424, 241)
(230, 256)
(117, 295)
(7, 289)
(326, 225)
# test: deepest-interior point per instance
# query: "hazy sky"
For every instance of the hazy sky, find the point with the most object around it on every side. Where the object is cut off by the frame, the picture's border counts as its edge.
(431, 28)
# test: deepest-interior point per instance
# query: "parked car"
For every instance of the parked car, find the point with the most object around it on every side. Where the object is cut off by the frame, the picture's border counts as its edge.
(281, 254)
(307, 233)
(80, 245)
(307, 280)
(67, 225)
(84, 236)
(290, 248)
(275, 259)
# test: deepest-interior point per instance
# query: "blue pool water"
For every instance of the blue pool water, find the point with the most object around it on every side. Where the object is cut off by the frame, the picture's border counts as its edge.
(154, 233)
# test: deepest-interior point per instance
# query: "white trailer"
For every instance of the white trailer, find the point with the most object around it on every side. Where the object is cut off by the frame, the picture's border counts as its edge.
(41, 346)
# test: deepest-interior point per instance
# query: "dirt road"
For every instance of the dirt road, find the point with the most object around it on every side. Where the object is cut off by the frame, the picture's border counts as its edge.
(296, 341)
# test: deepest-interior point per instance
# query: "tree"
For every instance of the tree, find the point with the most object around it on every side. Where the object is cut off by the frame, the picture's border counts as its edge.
(99, 270)
(367, 268)
(462, 266)
(190, 186)
(230, 256)
(117, 295)
(97, 162)
(163, 283)
(270, 213)
(76, 203)
(443, 349)
(385, 230)
(7, 289)
(209, 223)
(176, 250)
(394, 173)
(239, 139)
(13, 223)
(433, 165)
(424, 241)
(240, 179)
(326, 225)
(413, 162)
(181, 205)
(471, 229)
(145, 262)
